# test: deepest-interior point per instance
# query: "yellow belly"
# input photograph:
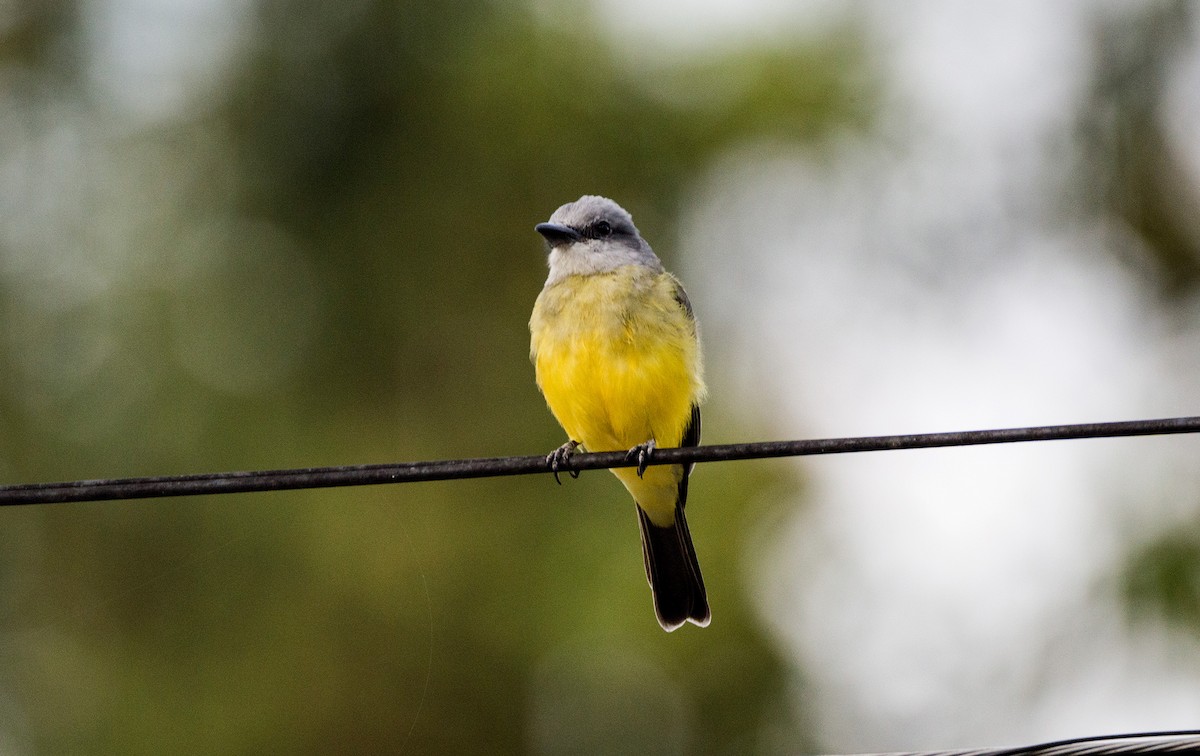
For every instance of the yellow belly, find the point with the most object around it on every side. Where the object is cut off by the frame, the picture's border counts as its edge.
(619, 364)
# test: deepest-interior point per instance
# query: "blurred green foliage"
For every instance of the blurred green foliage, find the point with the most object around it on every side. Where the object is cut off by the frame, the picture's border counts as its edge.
(1162, 580)
(1126, 165)
(329, 258)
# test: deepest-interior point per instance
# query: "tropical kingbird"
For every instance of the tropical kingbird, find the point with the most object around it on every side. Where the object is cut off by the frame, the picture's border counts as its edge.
(617, 355)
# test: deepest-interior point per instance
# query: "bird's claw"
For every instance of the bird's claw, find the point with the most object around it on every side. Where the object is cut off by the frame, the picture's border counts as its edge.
(560, 457)
(642, 453)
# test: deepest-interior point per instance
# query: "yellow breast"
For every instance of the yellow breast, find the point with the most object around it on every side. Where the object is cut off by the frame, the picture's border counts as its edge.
(617, 358)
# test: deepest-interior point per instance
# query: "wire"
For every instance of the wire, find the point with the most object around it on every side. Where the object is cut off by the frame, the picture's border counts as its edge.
(455, 469)
(1168, 741)
(1172, 741)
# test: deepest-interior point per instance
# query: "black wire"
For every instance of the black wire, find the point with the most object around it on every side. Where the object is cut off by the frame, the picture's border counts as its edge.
(409, 472)
(1059, 745)
(1154, 742)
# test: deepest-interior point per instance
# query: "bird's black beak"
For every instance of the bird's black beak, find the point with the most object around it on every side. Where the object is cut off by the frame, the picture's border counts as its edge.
(558, 234)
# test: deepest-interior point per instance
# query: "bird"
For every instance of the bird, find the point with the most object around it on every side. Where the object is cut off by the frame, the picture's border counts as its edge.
(616, 351)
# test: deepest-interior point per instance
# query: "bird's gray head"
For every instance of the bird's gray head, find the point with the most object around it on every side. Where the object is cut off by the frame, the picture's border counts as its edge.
(593, 235)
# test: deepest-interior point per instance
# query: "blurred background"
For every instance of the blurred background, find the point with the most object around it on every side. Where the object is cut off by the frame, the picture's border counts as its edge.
(246, 234)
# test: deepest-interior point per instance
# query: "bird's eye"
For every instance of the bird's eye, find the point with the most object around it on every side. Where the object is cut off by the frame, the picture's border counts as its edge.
(603, 229)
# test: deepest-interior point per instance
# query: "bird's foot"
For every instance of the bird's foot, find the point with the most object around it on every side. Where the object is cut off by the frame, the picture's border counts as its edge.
(642, 453)
(560, 457)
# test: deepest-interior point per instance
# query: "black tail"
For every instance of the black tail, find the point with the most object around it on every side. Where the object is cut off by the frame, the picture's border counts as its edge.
(673, 572)
(671, 565)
